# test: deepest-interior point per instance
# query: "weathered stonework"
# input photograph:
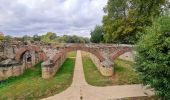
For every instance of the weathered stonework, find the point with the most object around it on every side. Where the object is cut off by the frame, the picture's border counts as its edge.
(50, 67)
(12, 68)
(14, 61)
(105, 68)
(53, 56)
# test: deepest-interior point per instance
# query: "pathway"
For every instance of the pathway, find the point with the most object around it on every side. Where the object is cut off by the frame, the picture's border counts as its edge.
(80, 90)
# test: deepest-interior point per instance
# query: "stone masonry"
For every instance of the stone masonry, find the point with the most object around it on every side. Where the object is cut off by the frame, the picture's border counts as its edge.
(15, 58)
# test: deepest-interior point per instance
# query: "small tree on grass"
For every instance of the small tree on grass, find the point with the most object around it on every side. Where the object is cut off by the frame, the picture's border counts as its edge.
(153, 57)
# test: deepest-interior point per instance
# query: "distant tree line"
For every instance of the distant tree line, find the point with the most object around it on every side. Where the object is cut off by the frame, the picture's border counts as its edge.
(49, 37)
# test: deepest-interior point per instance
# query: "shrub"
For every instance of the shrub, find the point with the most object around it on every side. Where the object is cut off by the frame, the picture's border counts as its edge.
(153, 56)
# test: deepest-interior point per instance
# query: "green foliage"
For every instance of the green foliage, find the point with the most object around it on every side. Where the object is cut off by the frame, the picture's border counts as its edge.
(26, 38)
(153, 58)
(1, 37)
(52, 38)
(125, 18)
(36, 37)
(72, 39)
(97, 34)
(49, 37)
(8, 38)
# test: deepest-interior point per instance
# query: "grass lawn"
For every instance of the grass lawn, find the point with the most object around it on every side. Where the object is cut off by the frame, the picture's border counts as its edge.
(124, 73)
(30, 85)
(72, 54)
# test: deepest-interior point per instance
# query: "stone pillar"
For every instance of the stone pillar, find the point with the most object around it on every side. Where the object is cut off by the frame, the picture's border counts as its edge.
(47, 69)
(33, 57)
(107, 68)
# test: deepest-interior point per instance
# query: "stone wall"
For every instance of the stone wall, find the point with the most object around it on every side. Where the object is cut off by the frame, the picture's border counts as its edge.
(129, 56)
(13, 70)
(104, 70)
(50, 67)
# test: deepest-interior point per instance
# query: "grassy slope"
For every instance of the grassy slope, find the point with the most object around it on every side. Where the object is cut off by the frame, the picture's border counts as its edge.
(124, 73)
(30, 85)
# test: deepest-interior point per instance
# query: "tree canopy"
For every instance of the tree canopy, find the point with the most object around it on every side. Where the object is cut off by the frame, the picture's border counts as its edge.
(125, 18)
(153, 57)
(97, 34)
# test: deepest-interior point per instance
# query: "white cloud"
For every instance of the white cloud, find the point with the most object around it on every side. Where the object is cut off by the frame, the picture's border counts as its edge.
(20, 17)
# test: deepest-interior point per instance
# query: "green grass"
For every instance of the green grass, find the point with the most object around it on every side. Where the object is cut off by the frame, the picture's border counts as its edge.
(71, 54)
(124, 73)
(30, 85)
(92, 75)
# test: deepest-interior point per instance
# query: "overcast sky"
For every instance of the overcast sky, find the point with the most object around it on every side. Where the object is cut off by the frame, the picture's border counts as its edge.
(28, 17)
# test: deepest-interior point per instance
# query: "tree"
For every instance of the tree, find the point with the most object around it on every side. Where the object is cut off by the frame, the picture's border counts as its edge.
(26, 38)
(153, 56)
(125, 18)
(1, 37)
(49, 37)
(72, 39)
(36, 37)
(8, 38)
(97, 34)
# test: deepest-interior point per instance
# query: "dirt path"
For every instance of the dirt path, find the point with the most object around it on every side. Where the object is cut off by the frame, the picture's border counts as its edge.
(80, 90)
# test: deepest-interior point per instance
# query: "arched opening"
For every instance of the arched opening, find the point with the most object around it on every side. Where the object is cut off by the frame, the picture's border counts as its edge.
(39, 54)
(129, 56)
(86, 49)
(124, 67)
(29, 59)
(121, 53)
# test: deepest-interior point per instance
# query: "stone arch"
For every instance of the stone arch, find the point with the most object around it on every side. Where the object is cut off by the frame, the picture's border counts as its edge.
(120, 52)
(94, 51)
(21, 51)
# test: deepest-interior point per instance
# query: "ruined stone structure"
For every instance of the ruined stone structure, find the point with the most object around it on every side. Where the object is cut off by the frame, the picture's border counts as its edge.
(17, 58)
(102, 55)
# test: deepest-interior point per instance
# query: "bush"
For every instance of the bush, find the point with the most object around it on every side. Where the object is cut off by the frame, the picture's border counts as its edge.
(153, 56)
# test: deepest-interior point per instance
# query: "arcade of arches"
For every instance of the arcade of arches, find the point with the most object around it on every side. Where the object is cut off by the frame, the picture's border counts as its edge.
(20, 57)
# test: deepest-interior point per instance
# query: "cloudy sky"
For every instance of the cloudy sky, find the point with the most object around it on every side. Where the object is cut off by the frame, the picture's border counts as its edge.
(28, 17)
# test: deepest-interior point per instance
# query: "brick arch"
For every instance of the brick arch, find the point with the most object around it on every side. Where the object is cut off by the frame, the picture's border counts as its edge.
(94, 51)
(21, 51)
(120, 52)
